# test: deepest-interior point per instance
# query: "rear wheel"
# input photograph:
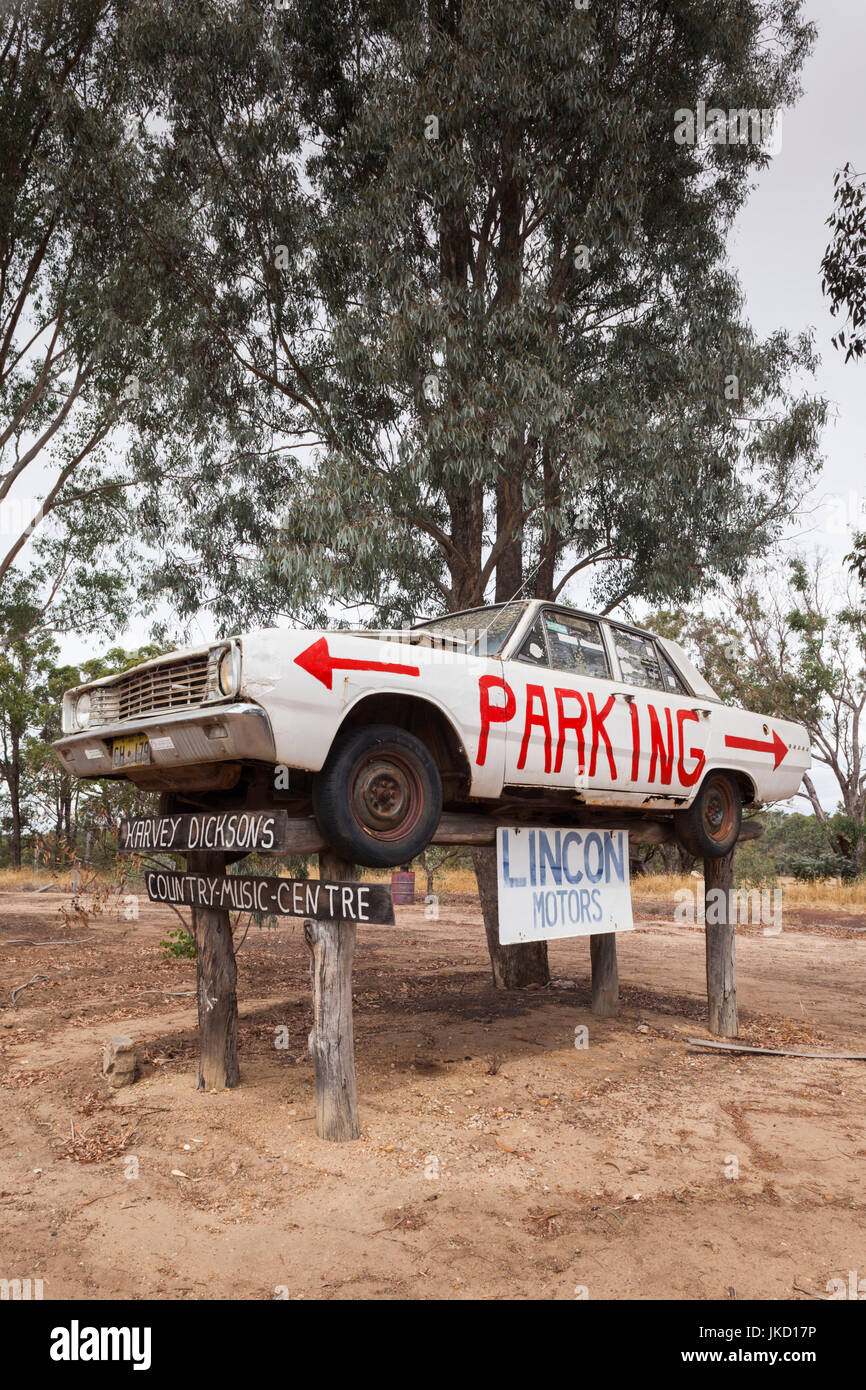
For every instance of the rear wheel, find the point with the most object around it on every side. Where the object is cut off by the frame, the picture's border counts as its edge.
(710, 827)
(378, 798)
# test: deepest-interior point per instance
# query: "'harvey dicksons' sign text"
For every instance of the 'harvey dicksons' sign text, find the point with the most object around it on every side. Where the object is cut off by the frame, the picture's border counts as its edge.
(232, 831)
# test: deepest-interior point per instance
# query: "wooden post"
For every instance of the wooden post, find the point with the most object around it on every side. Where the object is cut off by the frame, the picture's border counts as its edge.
(721, 957)
(332, 1040)
(605, 975)
(514, 967)
(217, 979)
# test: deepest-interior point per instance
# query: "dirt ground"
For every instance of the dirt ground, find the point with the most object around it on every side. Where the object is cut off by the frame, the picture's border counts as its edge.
(497, 1160)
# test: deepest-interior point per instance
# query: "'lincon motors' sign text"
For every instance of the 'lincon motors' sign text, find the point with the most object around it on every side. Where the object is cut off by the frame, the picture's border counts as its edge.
(556, 883)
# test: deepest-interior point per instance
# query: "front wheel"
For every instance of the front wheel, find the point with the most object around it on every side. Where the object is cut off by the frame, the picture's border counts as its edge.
(710, 827)
(378, 798)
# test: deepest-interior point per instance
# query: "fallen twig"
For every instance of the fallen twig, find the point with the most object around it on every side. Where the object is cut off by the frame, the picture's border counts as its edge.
(28, 941)
(19, 989)
(175, 992)
(778, 1051)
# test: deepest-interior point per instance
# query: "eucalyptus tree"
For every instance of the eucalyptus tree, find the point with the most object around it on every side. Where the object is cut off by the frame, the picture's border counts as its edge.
(81, 360)
(473, 256)
(459, 273)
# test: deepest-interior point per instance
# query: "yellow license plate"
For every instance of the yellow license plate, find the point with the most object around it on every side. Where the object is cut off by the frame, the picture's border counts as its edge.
(131, 751)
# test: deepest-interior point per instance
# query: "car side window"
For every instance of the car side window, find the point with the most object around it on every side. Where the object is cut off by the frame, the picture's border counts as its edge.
(534, 650)
(639, 661)
(669, 675)
(576, 644)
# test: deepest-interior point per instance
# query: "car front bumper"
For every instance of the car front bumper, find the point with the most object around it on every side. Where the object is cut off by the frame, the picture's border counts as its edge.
(221, 733)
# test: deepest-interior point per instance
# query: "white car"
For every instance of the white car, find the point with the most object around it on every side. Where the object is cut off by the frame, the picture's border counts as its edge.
(526, 709)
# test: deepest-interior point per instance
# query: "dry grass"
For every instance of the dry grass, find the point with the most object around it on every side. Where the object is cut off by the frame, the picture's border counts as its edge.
(827, 892)
(23, 880)
(459, 879)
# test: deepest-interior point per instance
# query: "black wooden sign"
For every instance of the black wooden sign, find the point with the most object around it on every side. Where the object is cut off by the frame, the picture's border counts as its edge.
(236, 832)
(285, 897)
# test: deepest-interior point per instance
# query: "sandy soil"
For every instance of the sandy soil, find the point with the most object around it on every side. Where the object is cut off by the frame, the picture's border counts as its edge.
(497, 1159)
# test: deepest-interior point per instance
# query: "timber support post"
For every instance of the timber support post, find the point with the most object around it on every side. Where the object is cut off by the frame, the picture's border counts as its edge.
(605, 975)
(514, 967)
(719, 931)
(216, 980)
(331, 944)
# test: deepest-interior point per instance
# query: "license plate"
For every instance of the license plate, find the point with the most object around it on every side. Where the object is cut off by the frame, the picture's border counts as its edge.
(132, 751)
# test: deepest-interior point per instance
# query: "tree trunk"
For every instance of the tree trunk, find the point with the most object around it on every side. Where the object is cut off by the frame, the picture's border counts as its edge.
(720, 943)
(514, 967)
(605, 975)
(332, 1041)
(217, 977)
(13, 782)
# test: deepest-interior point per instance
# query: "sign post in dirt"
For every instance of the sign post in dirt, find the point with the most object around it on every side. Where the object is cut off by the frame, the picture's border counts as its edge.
(719, 931)
(331, 943)
(216, 985)
(331, 906)
(208, 841)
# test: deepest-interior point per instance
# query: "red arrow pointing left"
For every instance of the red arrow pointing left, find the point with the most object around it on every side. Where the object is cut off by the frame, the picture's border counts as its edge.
(317, 660)
(774, 746)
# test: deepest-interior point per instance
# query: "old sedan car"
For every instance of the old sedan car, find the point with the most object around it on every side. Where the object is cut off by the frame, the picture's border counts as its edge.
(528, 709)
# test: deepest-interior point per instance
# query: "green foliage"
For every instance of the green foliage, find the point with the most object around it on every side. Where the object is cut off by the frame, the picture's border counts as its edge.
(843, 268)
(179, 945)
(581, 420)
(809, 868)
(778, 643)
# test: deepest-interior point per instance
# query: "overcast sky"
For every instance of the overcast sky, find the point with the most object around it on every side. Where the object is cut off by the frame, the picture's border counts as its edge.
(781, 236)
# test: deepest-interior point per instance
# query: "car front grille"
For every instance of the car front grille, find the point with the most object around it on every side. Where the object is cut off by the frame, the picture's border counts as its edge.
(171, 685)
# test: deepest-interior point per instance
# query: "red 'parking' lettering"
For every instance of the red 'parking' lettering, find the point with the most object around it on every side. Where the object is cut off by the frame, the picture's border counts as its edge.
(659, 752)
(492, 714)
(597, 718)
(688, 779)
(569, 721)
(533, 693)
(635, 741)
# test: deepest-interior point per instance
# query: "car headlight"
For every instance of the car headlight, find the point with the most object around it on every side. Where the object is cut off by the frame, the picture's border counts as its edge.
(82, 710)
(227, 672)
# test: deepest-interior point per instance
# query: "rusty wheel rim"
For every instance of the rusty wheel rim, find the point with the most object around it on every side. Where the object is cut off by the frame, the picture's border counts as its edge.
(719, 812)
(387, 797)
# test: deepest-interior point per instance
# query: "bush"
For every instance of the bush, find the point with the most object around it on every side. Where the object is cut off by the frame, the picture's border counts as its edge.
(180, 945)
(809, 867)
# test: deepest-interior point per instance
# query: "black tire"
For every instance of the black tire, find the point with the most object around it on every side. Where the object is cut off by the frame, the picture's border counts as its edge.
(378, 798)
(710, 827)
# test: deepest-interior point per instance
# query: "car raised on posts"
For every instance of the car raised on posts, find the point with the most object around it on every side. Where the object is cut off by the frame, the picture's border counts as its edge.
(526, 711)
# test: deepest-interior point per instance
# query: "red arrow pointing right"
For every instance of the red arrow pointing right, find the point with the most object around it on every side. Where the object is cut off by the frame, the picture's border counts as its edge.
(774, 746)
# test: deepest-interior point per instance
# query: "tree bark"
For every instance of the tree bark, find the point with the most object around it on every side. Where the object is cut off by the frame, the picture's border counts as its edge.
(605, 974)
(216, 978)
(513, 967)
(332, 1041)
(720, 944)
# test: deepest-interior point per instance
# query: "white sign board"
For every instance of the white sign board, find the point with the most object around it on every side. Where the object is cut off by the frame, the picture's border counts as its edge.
(556, 883)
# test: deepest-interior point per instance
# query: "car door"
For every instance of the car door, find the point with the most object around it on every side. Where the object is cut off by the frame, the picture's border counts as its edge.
(669, 728)
(567, 722)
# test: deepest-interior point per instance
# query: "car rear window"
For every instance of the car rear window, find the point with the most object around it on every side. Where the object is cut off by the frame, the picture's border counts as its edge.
(641, 662)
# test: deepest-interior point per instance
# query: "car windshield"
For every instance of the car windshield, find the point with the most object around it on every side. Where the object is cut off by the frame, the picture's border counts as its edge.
(484, 630)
